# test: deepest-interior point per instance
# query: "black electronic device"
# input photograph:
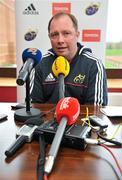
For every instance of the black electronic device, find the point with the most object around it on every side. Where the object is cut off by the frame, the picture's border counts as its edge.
(97, 121)
(24, 135)
(3, 117)
(74, 135)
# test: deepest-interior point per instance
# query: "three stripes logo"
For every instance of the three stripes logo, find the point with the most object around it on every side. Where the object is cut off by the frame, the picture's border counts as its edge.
(30, 10)
(50, 78)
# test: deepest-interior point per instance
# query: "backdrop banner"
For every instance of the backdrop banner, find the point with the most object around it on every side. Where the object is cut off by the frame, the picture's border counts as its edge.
(32, 18)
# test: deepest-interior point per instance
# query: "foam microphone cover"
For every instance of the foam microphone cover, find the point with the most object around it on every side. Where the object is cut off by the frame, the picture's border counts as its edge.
(60, 66)
(32, 53)
(68, 107)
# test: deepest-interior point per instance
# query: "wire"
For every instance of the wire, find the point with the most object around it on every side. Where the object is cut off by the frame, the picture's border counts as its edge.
(109, 140)
(86, 118)
(117, 163)
(116, 131)
(95, 128)
(45, 177)
(41, 158)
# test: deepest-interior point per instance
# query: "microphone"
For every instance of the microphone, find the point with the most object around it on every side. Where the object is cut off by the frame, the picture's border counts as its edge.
(61, 69)
(31, 57)
(24, 134)
(67, 111)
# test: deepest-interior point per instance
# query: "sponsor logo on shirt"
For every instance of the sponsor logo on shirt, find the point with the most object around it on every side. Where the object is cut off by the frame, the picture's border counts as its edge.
(50, 78)
(79, 79)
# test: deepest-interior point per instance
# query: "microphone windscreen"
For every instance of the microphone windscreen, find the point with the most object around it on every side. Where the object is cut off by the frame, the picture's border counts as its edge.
(32, 53)
(60, 66)
(68, 107)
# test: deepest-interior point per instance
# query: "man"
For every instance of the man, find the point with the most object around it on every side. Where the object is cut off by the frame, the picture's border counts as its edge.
(87, 77)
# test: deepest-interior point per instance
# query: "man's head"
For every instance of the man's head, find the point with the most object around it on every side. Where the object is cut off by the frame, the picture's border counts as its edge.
(64, 34)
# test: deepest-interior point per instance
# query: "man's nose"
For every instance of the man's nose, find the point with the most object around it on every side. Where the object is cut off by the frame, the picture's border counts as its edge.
(61, 38)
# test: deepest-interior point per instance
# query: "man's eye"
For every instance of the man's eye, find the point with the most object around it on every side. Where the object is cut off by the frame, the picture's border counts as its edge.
(54, 35)
(66, 33)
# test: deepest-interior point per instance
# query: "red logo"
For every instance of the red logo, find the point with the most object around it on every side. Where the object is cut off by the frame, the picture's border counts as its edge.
(61, 7)
(91, 35)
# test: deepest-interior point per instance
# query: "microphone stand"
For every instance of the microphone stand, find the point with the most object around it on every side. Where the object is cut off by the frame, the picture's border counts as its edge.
(27, 94)
(59, 133)
(25, 113)
(61, 86)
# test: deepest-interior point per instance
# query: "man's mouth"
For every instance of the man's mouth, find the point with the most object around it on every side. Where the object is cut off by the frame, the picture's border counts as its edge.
(61, 48)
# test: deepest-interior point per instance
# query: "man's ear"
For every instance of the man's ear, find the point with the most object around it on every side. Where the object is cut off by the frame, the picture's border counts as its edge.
(48, 35)
(78, 34)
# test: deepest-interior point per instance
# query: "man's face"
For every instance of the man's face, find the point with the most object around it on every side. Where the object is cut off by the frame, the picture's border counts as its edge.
(63, 37)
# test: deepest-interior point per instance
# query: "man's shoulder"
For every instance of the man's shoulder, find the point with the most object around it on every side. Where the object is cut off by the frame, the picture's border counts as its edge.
(49, 53)
(89, 56)
(48, 56)
(87, 53)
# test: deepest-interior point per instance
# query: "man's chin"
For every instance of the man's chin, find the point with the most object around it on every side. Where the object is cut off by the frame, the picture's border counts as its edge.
(61, 54)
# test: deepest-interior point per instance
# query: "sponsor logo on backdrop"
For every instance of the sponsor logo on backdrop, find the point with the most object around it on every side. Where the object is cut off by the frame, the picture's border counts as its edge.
(92, 9)
(91, 35)
(31, 10)
(30, 35)
(57, 7)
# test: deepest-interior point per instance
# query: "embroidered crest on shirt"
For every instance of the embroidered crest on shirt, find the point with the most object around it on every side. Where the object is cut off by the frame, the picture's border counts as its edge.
(50, 78)
(79, 79)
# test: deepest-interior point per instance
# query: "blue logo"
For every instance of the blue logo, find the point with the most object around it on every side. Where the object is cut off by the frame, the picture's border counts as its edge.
(92, 9)
(30, 35)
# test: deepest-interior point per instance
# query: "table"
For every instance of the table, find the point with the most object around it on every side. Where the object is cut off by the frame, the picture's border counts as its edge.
(94, 163)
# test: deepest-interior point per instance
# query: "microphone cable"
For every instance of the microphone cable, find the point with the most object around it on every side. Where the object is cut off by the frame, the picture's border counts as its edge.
(41, 158)
(117, 143)
(41, 175)
(116, 161)
(99, 130)
(99, 133)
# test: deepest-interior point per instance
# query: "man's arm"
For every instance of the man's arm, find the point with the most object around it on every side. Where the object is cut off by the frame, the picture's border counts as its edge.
(97, 85)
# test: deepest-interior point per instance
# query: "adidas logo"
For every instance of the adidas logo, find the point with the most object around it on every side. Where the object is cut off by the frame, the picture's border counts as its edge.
(50, 78)
(30, 10)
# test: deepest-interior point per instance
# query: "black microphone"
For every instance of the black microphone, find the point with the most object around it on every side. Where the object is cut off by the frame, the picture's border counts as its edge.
(31, 57)
(24, 134)
(61, 69)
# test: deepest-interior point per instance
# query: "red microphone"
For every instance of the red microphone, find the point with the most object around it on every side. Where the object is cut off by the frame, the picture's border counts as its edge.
(68, 107)
(67, 112)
